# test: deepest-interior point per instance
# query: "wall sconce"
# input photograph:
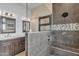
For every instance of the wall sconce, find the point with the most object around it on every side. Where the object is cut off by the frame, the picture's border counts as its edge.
(26, 19)
(23, 18)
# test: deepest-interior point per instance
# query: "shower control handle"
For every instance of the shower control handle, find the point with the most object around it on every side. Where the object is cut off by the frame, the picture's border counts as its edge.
(48, 39)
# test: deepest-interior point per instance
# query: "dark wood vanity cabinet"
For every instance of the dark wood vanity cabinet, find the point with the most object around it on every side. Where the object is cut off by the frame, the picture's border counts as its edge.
(5, 49)
(19, 45)
(12, 47)
(22, 44)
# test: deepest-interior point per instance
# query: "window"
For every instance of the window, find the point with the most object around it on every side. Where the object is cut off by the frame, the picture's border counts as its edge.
(26, 26)
(44, 23)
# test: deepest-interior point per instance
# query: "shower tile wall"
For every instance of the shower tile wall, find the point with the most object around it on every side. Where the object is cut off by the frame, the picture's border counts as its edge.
(67, 40)
(72, 9)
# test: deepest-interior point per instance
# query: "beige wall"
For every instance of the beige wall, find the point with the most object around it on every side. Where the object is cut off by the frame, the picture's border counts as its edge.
(34, 24)
(42, 10)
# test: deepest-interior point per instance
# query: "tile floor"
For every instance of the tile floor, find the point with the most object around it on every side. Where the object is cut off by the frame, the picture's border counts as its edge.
(21, 54)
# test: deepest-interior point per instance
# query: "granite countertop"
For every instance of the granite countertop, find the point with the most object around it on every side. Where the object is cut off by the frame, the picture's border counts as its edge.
(10, 36)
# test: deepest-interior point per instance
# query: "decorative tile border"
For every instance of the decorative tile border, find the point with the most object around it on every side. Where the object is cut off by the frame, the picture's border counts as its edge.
(66, 27)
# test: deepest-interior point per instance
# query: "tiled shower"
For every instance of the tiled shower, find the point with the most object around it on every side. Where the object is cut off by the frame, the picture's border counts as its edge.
(64, 34)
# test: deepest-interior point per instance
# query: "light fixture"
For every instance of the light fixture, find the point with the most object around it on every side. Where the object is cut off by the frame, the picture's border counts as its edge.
(3, 13)
(23, 18)
(8, 14)
(28, 19)
(13, 15)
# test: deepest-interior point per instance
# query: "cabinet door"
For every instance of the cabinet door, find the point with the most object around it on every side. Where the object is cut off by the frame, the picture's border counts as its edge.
(22, 44)
(12, 48)
(17, 46)
(6, 49)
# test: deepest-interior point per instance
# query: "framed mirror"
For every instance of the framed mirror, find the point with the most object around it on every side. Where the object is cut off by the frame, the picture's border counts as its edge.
(7, 25)
(26, 26)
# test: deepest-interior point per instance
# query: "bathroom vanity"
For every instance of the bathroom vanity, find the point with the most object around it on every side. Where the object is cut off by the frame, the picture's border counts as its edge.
(11, 47)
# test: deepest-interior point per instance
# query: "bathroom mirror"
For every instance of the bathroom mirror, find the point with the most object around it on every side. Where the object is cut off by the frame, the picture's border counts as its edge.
(26, 26)
(8, 25)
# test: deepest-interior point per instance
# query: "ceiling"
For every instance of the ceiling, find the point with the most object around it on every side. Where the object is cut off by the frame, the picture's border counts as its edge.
(31, 5)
